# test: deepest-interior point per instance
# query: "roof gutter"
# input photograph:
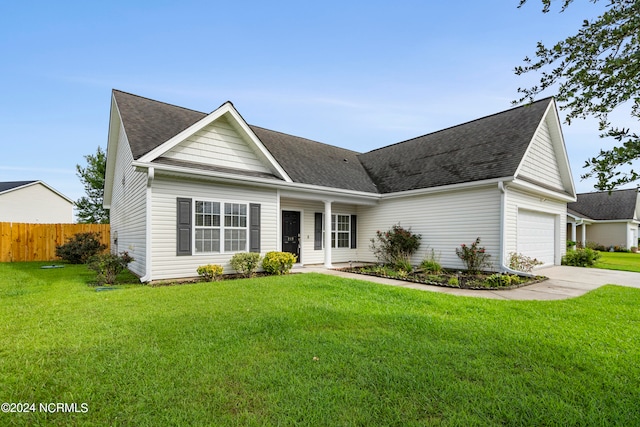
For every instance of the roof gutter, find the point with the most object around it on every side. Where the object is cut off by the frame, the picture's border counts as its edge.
(503, 234)
(261, 182)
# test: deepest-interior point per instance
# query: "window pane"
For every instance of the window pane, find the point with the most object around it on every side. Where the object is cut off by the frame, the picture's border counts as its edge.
(235, 240)
(207, 240)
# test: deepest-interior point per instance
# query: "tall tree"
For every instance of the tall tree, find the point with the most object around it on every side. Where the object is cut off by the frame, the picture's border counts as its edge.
(90, 210)
(594, 72)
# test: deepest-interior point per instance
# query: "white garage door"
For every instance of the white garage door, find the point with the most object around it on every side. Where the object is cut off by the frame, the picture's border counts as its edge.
(536, 235)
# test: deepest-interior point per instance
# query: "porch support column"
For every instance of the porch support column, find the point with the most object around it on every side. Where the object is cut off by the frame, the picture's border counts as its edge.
(584, 235)
(327, 234)
(573, 233)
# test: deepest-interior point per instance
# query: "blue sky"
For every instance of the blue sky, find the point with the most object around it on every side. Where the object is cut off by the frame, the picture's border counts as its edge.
(359, 75)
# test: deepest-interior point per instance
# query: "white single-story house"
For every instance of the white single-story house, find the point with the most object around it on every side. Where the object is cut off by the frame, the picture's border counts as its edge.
(34, 202)
(605, 218)
(186, 188)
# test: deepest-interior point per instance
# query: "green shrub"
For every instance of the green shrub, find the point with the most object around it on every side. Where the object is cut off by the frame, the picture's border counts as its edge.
(278, 262)
(501, 280)
(581, 258)
(245, 263)
(522, 262)
(210, 272)
(108, 265)
(395, 245)
(474, 257)
(80, 248)
(453, 281)
(403, 266)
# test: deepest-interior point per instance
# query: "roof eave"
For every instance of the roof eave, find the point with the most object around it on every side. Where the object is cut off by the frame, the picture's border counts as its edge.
(328, 193)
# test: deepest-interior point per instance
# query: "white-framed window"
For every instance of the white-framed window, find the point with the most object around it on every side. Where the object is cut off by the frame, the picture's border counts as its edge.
(340, 231)
(220, 227)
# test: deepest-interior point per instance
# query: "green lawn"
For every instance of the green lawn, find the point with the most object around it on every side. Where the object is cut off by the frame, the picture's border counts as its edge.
(309, 349)
(626, 261)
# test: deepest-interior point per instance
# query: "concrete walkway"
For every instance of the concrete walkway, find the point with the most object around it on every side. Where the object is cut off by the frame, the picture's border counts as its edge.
(564, 282)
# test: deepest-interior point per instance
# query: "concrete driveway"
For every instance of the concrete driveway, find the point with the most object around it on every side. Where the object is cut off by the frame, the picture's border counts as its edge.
(564, 282)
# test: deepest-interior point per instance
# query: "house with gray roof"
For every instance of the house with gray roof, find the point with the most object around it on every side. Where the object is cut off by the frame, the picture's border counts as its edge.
(34, 202)
(187, 188)
(605, 218)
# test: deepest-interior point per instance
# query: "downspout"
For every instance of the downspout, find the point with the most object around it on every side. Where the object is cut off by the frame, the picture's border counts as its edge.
(147, 244)
(503, 234)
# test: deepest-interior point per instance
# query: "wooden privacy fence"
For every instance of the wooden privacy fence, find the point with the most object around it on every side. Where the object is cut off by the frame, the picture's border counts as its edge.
(37, 242)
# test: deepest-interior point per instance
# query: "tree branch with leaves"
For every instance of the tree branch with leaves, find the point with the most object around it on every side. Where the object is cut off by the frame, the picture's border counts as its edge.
(595, 72)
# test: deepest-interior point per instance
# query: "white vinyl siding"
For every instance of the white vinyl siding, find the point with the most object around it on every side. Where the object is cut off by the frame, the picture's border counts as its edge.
(540, 164)
(444, 220)
(128, 207)
(218, 144)
(35, 204)
(166, 190)
(516, 201)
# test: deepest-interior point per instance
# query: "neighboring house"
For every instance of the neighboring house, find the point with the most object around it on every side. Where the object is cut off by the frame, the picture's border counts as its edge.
(34, 202)
(608, 219)
(186, 188)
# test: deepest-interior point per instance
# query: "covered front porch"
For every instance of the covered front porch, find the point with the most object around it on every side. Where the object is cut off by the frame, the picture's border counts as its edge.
(303, 221)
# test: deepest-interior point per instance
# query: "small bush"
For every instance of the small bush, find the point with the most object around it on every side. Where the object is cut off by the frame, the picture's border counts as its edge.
(246, 263)
(80, 248)
(571, 243)
(453, 281)
(474, 257)
(581, 258)
(395, 245)
(501, 280)
(403, 266)
(278, 262)
(107, 266)
(522, 262)
(210, 272)
(431, 264)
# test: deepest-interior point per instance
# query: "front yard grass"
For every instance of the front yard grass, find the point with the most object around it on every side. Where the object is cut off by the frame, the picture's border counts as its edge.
(626, 261)
(310, 349)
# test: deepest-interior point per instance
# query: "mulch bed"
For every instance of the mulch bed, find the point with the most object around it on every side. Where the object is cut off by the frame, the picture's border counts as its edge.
(465, 281)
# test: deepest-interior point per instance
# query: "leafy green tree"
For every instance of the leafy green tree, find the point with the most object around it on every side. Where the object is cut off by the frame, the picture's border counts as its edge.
(90, 210)
(596, 71)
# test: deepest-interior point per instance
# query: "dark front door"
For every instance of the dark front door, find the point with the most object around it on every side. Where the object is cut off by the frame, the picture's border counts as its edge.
(291, 233)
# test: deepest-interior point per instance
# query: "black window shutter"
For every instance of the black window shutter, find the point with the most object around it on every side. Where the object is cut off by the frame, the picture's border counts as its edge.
(317, 235)
(184, 227)
(254, 227)
(354, 227)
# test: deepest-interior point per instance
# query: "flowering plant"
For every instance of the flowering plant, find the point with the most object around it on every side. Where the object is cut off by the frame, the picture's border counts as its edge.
(474, 256)
(395, 246)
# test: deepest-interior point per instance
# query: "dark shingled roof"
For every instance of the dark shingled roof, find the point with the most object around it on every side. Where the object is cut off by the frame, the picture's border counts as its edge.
(620, 204)
(9, 185)
(486, 148)
(312, 162)
(491, 147)
(150, 123)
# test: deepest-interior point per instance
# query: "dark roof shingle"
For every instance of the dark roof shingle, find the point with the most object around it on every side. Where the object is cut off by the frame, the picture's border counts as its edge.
(315, 163)
(602, 205)
(150, 123)
(9, 185)
(486, 148)
(490, 147)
